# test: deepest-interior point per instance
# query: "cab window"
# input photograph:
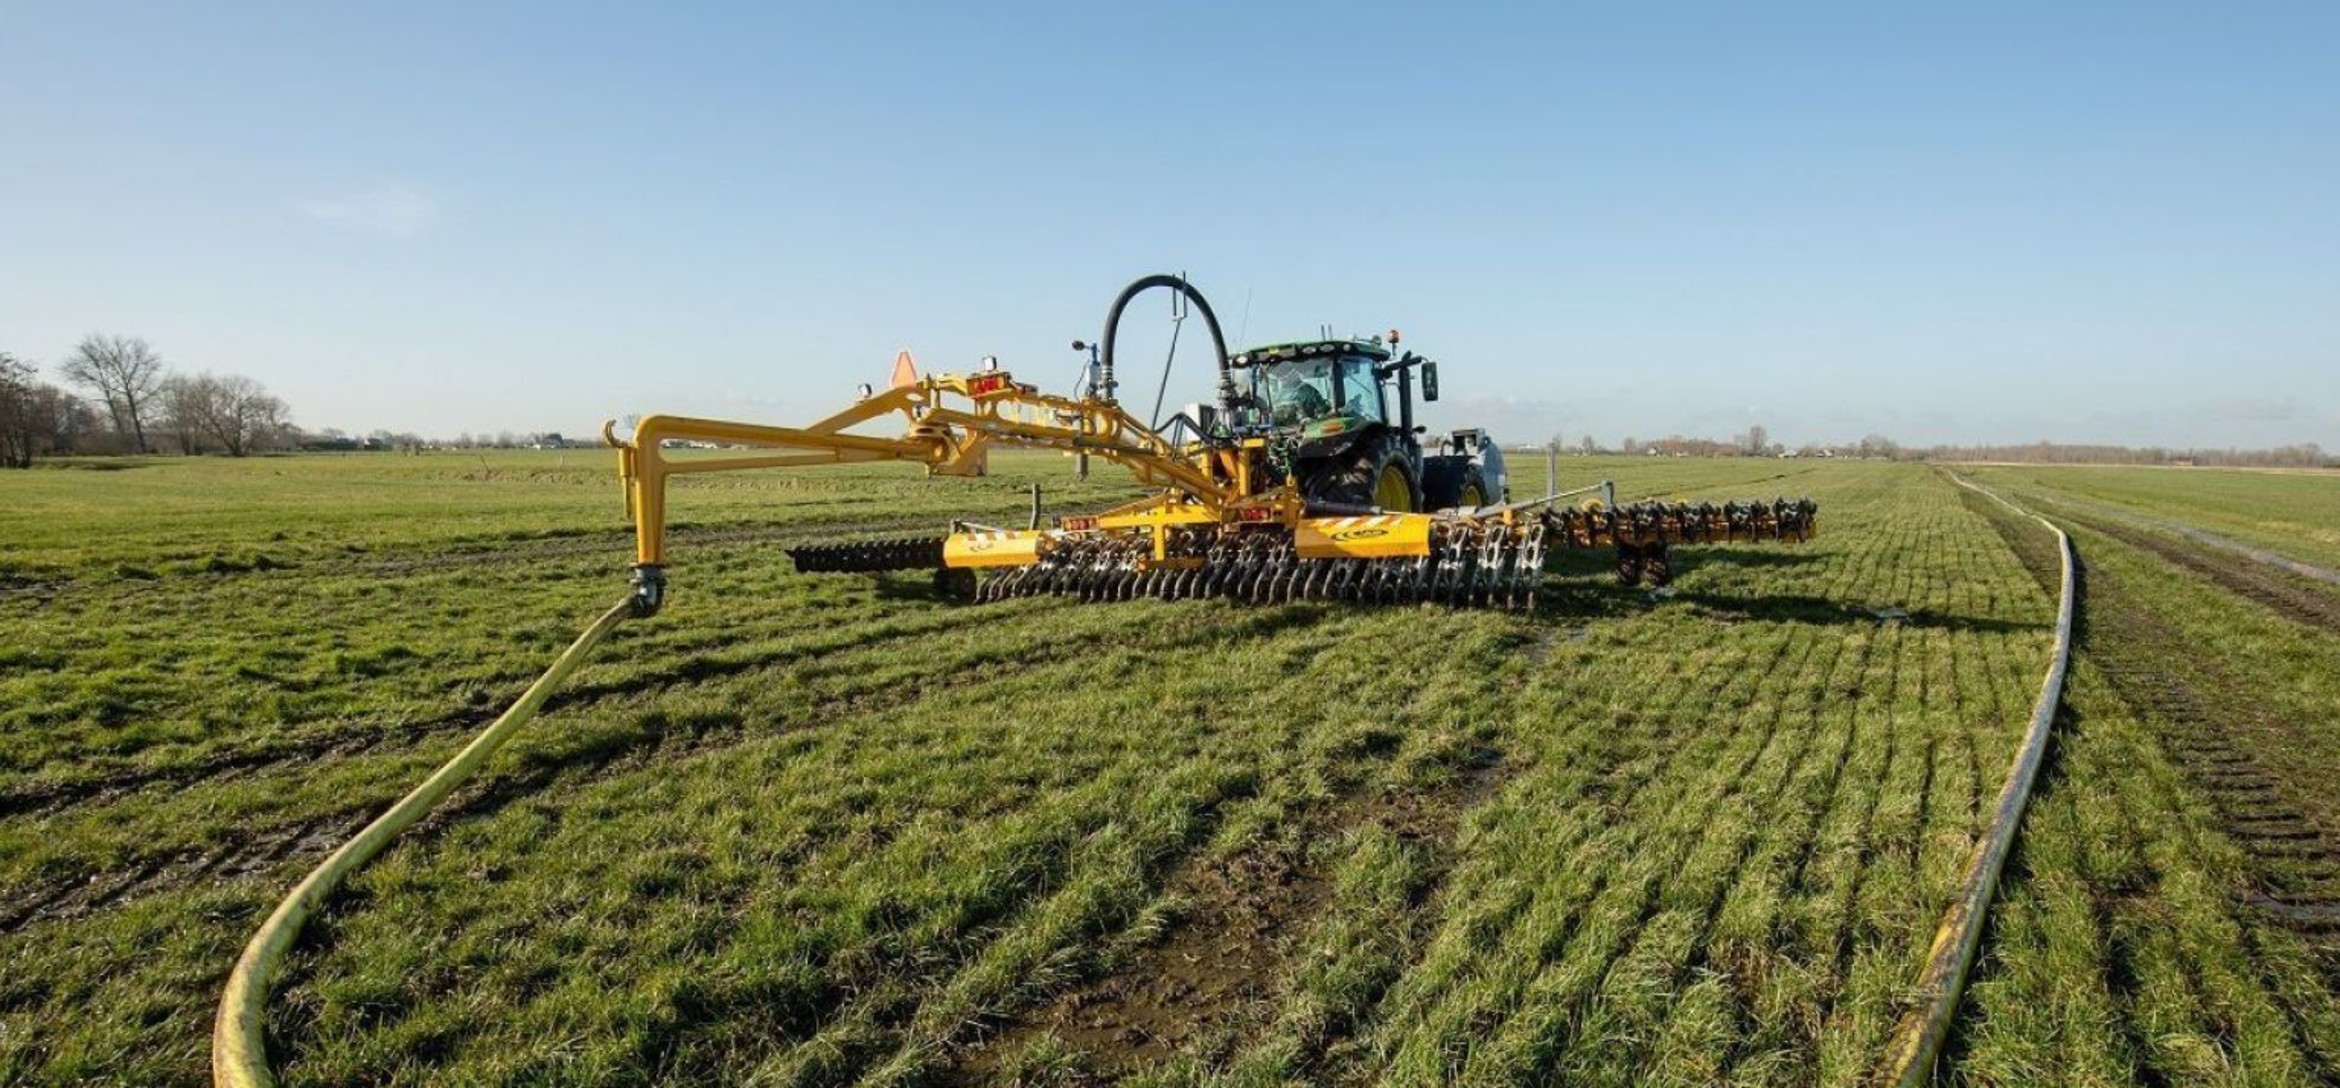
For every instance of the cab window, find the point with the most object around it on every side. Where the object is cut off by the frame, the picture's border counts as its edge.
(1361, 389)
(1294, 392)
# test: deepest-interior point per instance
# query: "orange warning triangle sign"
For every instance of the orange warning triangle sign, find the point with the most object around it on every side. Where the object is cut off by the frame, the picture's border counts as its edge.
(905, 371)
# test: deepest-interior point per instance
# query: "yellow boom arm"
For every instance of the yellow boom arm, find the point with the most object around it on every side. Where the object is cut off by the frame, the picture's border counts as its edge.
(948, 440)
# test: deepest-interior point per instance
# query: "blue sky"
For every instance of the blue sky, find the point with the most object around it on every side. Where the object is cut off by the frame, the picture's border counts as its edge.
(2085, 222)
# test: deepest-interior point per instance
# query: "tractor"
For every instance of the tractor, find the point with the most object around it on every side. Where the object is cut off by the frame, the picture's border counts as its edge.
(1340, 414)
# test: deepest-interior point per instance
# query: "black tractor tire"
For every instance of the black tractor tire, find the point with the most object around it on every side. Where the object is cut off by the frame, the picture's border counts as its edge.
(1448, 482)
(1350, 479)
(1472, 491)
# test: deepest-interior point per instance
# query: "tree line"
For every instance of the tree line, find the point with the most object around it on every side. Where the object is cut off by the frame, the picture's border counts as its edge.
(2302, 455)
(119, 397)
(1757, 442)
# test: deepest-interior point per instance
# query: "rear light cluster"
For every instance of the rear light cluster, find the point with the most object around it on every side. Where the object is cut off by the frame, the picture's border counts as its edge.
(1079, 524)
(1257, 513)
(983, 384)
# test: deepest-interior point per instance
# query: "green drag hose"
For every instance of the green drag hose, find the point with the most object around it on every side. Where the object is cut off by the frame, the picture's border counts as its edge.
(1918, 1037)
(239, 1052)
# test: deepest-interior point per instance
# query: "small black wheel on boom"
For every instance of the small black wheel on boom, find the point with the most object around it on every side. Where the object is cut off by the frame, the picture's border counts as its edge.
(954, 584)
(1629, 564)
(1657, 566)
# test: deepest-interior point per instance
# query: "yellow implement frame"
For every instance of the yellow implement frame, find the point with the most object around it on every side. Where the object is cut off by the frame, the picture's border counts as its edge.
(949, 441)
(952, 421)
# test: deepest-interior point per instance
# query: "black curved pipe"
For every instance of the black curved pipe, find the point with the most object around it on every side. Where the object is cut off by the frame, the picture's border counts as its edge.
(1105, 380)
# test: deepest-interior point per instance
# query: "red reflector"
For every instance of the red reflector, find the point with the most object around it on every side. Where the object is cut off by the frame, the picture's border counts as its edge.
(1258, 513)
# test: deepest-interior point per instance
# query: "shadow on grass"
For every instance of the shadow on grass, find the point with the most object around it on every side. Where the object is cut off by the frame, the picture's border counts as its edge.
(1800, 608)
(1689, 559)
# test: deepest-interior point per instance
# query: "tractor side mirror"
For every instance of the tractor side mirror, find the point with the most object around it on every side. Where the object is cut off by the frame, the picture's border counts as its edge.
(1429, 381)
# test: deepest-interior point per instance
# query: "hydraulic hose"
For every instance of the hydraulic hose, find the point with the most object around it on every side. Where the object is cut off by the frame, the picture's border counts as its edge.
(239, 1052)
(1218, 340)
(1918, 1038)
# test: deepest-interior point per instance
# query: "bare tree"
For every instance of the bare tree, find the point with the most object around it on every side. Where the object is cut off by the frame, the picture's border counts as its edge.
(183, 411)
(235, 412)
(18, 428)
(125, 373)
(36, 418)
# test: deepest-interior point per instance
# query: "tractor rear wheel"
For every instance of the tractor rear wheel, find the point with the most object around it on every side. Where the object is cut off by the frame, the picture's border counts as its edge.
(1378, 473)
(1453, 482)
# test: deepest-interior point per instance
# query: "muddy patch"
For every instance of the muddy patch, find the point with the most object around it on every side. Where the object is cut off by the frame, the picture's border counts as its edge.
(1215, 972)
(70, 898)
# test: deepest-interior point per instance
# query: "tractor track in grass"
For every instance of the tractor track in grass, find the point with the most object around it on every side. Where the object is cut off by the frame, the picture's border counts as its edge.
(2230, 747)
(2218, 736)
(1220, 961)
(2102, 510)
(2287, 827)
(2281, 594)
(67, 900)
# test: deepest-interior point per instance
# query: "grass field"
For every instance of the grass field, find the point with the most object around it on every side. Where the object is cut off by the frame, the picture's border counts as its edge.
(2291, 512)
(828, 830)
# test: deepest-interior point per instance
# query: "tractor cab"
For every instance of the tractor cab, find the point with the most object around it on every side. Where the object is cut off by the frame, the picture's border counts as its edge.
(1339, 418)
(1323, 393)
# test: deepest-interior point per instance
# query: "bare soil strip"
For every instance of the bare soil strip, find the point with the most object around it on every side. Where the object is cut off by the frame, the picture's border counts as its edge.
(2261, 555)
(1219, 965)
(2286, 597)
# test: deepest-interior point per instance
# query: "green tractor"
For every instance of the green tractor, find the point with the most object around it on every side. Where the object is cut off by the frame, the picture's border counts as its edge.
(1339, 417)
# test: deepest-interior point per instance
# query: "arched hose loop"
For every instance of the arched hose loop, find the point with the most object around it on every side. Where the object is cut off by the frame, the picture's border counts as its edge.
(1106, 383)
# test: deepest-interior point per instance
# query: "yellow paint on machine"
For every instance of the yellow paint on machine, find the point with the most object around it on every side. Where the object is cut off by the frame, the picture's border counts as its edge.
(1372, 536)
(1000, 548)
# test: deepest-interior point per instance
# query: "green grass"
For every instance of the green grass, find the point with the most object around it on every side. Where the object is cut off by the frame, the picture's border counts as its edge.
(2124, 951)
(825, 830)
(2295, 513)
